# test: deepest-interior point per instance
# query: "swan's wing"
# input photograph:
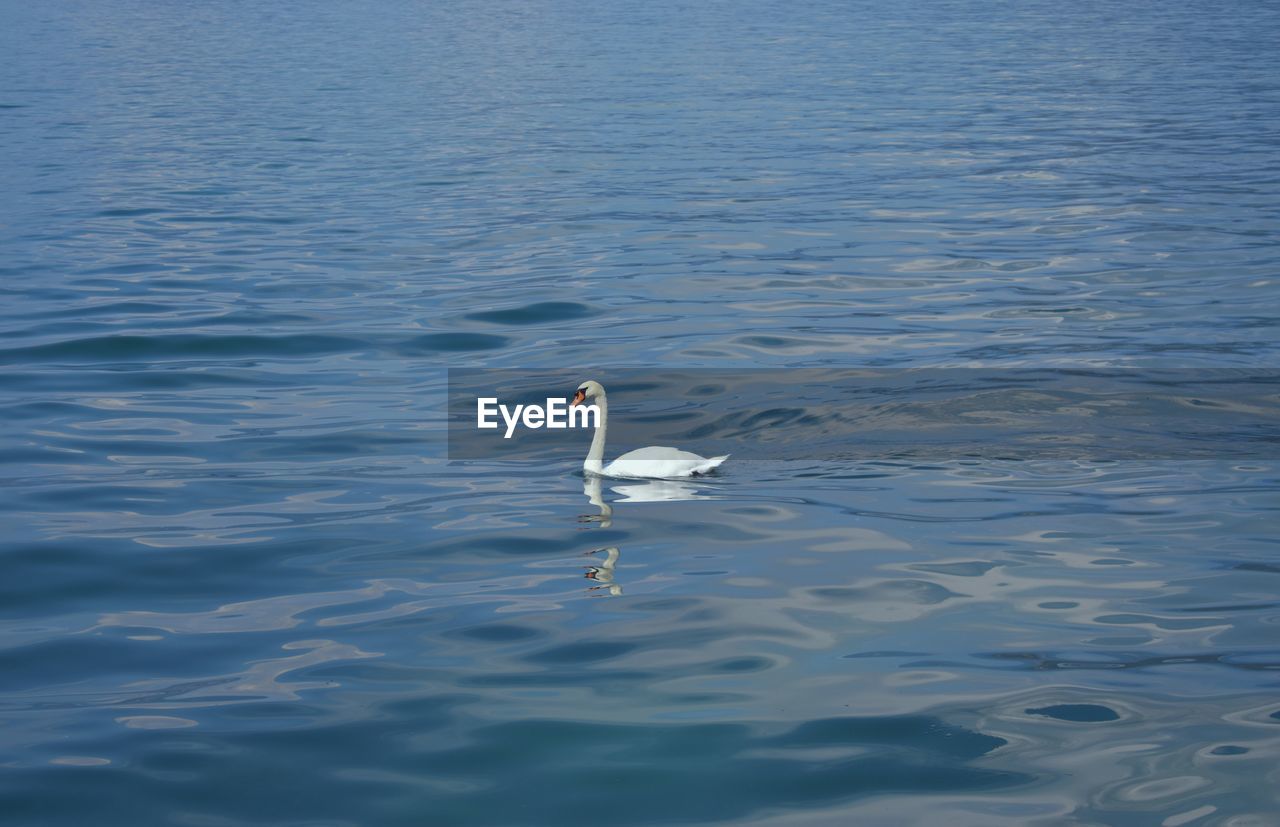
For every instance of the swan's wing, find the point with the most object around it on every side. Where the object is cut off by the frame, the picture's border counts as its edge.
(656, 454)
(661, 462)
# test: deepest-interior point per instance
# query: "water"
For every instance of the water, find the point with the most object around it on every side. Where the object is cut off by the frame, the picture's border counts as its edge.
(242, 243)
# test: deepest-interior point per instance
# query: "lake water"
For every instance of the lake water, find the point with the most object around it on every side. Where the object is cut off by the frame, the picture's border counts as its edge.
(242, 244)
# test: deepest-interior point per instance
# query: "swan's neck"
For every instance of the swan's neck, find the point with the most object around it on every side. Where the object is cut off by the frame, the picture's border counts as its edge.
(594, 463)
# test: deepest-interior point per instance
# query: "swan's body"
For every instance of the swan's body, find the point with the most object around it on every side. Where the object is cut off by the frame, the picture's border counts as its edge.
(660, 463)
(643, 463)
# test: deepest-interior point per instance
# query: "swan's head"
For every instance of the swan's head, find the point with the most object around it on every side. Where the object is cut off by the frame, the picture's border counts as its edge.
(587, 390)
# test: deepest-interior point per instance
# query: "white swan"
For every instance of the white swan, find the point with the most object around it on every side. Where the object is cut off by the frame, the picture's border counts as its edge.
(642, 463)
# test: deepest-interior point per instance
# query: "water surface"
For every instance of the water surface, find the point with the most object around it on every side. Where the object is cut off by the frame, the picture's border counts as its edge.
(241, 245)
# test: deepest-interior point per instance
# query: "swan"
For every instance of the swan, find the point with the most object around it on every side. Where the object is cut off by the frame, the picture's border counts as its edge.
(642, 463)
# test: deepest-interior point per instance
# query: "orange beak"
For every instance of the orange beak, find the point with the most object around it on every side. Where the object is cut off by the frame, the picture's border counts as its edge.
(577, 399)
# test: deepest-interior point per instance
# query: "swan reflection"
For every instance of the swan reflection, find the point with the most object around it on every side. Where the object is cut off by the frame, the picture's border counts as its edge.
(603, 573)
(591, 486)
(633, 492)
(656, 491)
(651, 491)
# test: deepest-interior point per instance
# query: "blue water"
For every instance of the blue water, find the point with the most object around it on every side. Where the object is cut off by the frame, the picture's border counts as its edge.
(241, 243)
